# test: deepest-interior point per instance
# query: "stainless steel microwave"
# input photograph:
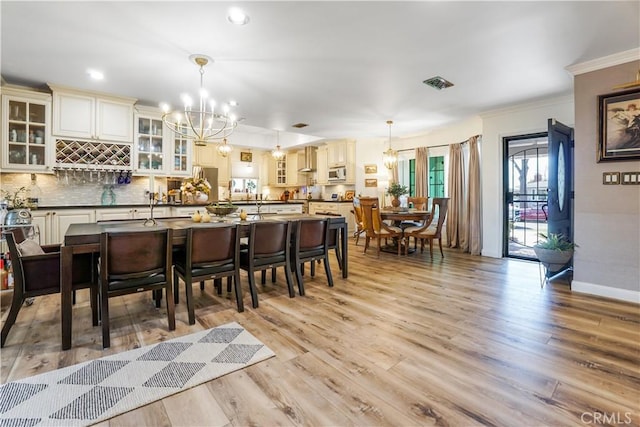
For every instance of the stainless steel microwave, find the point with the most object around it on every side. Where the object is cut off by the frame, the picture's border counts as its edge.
(338, 174)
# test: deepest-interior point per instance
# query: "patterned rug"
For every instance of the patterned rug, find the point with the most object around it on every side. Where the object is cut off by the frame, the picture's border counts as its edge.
(94, 391)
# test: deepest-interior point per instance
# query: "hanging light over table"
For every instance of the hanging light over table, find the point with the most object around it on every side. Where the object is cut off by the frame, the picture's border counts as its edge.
(277, 153)
(202, 124)
(390, 157)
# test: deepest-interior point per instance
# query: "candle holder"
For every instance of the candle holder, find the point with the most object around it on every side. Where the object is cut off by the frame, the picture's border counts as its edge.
(150, 222)
(259, 203)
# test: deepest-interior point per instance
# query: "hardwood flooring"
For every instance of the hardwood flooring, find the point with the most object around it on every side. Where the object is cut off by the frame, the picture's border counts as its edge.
(403, 341)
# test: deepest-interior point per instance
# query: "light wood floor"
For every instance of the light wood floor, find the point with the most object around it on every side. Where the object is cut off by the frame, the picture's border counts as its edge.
(403, 341)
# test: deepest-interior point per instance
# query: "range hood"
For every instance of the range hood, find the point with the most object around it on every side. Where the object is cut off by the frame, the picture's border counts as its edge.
(310, 160)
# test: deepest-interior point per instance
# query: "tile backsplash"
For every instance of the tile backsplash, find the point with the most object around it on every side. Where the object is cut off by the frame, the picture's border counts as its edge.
(55, 193)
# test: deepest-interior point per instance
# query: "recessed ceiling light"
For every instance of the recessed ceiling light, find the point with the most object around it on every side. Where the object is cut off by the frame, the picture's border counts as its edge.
(233, 103)
(237, 16)
(95, 74)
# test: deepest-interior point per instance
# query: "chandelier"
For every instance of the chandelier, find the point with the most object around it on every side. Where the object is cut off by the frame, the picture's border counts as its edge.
(223, 148)
(277, 154)
(202, 123)
(390, 157)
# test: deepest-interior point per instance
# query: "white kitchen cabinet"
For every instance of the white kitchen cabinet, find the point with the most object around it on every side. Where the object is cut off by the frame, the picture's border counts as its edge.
(295, 160)
(207, 156)
(322, 171)
(42, 218)
(335, 208)
(143, 212)
(295, 208)
(351, 162)
(151, 147)
(62, 218)
(88, 115)
(26, 142)
(336, 153)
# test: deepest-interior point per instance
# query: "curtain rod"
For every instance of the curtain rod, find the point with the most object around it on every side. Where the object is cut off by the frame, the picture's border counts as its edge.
(438, 146)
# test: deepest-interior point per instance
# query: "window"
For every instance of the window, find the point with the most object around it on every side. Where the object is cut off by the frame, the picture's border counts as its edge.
(244, 185)
(436, 176)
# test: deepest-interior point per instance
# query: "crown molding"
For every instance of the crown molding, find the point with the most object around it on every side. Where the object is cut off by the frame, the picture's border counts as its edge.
(541, 103)
(604, 62)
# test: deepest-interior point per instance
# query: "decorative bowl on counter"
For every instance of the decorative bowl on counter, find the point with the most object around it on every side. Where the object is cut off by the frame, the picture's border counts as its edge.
(221, 210)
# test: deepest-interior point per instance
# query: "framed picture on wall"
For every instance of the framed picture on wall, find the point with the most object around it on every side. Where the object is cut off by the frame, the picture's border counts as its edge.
(619, 120)
(371, 182)
(368, 169)
(245, 156)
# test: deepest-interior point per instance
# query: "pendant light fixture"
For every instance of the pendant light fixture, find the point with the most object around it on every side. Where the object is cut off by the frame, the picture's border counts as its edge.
(206, 122)
(277, 154)
(390, 157)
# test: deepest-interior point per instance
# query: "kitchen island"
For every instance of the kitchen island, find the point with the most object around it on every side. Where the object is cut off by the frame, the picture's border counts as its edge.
(85, 238)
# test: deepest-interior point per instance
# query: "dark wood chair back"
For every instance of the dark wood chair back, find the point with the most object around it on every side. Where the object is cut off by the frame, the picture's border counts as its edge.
(311, 244)
(268, 249)
(212, 252)
(134, 261)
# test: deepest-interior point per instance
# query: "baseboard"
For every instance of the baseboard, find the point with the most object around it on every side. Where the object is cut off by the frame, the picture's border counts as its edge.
(606, 291)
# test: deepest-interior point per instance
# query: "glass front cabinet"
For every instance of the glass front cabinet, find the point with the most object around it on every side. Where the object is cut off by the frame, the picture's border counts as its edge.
(157, 149)
(26, 131)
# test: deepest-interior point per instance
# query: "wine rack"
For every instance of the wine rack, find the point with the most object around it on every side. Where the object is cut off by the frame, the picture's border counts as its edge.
(107, 155)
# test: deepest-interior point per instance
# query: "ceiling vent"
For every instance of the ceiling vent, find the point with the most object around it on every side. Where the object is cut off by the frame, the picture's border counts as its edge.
(300, 125)
(438, 82)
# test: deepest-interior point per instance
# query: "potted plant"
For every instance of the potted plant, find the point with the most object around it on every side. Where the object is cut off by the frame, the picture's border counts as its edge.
(554, 251)
(396, 190)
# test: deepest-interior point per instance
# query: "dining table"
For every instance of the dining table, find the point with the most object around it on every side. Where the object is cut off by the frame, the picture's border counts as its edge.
(398, 216)
(84, 238)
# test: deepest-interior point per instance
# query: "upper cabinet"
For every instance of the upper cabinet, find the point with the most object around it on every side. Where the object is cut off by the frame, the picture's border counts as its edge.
(157, 150)
(26, 137)
(207, 156)
(322, 171)
(93, 116)
(337, 153)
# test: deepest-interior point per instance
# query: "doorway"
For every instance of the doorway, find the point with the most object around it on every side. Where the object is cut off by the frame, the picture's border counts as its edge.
(538, 188)
(526, 177)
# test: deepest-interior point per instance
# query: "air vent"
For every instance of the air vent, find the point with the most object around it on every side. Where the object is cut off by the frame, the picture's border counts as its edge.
(438, 82)
(300, 125)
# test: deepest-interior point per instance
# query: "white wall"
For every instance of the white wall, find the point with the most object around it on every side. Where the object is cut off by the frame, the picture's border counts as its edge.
(519, 120)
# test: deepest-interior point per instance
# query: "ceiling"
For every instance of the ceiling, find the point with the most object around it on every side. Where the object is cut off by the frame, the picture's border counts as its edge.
(345, 68)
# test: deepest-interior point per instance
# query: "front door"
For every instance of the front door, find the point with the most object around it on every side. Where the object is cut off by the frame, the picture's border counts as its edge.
(560, 194)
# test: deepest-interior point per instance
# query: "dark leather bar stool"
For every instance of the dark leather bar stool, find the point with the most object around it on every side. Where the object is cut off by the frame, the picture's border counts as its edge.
(212, 252)
(268, 249)
(135, 261)
(311, 244)
(39, 274)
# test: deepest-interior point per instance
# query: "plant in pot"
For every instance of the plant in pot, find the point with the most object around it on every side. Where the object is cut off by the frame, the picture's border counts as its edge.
(396, 190)
(554, 251)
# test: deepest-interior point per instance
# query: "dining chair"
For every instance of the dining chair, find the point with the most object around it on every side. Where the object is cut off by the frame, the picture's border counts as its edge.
(430, 230)
(211, 252)
(357, 214)
(418, 203)
(134, 261)
(268, 248)
(311, 244)
(36, 272)
(377, 229)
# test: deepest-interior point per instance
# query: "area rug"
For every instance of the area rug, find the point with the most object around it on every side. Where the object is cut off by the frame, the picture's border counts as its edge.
(94, 391)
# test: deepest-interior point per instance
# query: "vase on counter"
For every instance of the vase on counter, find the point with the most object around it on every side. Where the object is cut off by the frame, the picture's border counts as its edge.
(395, 202)
(201, 197)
